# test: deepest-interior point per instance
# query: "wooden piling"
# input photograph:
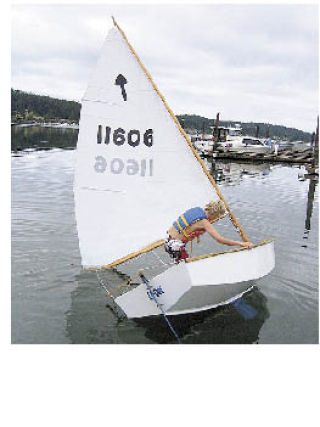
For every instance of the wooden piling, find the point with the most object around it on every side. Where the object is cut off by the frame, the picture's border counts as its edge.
(315, 162)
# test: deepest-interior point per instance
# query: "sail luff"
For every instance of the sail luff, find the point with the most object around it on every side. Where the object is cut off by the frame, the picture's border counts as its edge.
(234, 220)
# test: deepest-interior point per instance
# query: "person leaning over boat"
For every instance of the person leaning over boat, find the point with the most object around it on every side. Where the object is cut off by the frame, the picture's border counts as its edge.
(193, 223)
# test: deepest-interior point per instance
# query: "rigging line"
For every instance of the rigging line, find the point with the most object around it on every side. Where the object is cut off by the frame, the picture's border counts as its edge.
(158, 258)
(132, 255)
(109, 294)
(139, 258)
(114, 308)
(123, 285)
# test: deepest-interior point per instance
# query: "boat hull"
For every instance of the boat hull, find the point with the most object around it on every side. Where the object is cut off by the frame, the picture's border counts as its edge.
(201, 283)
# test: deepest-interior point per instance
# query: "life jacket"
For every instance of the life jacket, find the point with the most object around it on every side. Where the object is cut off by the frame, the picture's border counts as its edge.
(187, 218)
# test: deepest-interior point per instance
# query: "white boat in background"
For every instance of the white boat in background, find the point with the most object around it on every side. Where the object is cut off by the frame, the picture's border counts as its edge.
(301, 146)
(245, 144)
(203, 144)
(232, 133)
(228, 134)
(136, 171)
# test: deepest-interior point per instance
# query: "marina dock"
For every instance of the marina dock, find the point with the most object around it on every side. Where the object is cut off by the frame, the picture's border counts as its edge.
(282, 157)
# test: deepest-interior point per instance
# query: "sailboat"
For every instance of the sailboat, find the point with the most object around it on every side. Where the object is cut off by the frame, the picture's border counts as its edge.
(136, 170)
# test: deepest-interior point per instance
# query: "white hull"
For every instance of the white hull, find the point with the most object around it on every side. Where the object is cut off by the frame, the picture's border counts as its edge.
(252, 149)
(201, 284)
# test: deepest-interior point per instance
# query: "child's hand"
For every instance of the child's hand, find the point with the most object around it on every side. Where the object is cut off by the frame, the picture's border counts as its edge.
(247, 245)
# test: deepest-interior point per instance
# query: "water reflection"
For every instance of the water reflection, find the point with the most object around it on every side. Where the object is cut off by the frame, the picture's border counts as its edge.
(93, 318)
(89, 319)
(309, 211)
(228, 172)
(227, 324)
(311, 192)
(233, 172)
(26, 138)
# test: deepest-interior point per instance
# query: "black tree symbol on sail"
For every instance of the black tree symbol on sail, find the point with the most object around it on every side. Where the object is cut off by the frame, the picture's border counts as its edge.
(121, 81)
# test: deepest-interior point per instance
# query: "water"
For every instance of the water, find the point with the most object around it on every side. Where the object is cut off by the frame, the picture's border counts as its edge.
(54, 301)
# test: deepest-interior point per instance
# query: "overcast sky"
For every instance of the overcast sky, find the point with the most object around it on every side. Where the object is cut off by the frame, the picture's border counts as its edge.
(249, 62)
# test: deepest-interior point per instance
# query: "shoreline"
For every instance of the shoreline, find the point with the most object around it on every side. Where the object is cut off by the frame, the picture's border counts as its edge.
(48, 124)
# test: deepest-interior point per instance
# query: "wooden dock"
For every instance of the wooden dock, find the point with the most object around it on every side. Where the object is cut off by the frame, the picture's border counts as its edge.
(283, 157)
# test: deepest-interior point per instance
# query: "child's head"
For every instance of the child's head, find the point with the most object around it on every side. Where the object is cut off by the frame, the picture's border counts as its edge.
(215, 209)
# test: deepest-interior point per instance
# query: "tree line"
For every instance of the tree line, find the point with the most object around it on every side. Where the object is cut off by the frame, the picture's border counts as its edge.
(197, 124)
(28, 107)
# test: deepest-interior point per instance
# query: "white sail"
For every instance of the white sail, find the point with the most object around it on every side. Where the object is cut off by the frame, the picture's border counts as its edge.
(135, 172)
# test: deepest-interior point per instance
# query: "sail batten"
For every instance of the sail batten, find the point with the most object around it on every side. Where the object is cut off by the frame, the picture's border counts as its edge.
(134, 169)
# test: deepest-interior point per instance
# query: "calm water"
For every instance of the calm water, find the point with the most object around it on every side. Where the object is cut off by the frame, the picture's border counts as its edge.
(54, 301)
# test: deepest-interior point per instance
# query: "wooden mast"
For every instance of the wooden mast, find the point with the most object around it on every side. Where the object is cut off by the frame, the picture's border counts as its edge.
(205, 170)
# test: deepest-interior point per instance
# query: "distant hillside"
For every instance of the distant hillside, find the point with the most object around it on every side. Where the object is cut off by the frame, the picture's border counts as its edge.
(28, 107)
(193, 123)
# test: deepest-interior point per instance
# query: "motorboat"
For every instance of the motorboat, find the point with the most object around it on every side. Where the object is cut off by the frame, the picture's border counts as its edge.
(245, 144)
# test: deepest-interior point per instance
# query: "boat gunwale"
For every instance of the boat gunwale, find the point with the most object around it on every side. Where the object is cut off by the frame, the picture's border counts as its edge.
(214, 254)
(188, 260)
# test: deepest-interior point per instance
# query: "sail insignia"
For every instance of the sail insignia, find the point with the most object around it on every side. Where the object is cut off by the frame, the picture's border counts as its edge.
(121, 81)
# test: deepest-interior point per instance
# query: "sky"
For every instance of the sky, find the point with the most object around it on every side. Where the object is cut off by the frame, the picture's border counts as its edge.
(249, 62)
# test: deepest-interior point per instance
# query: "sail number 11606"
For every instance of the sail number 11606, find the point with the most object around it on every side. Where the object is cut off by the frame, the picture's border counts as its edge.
(119, 136)
(142, 167)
